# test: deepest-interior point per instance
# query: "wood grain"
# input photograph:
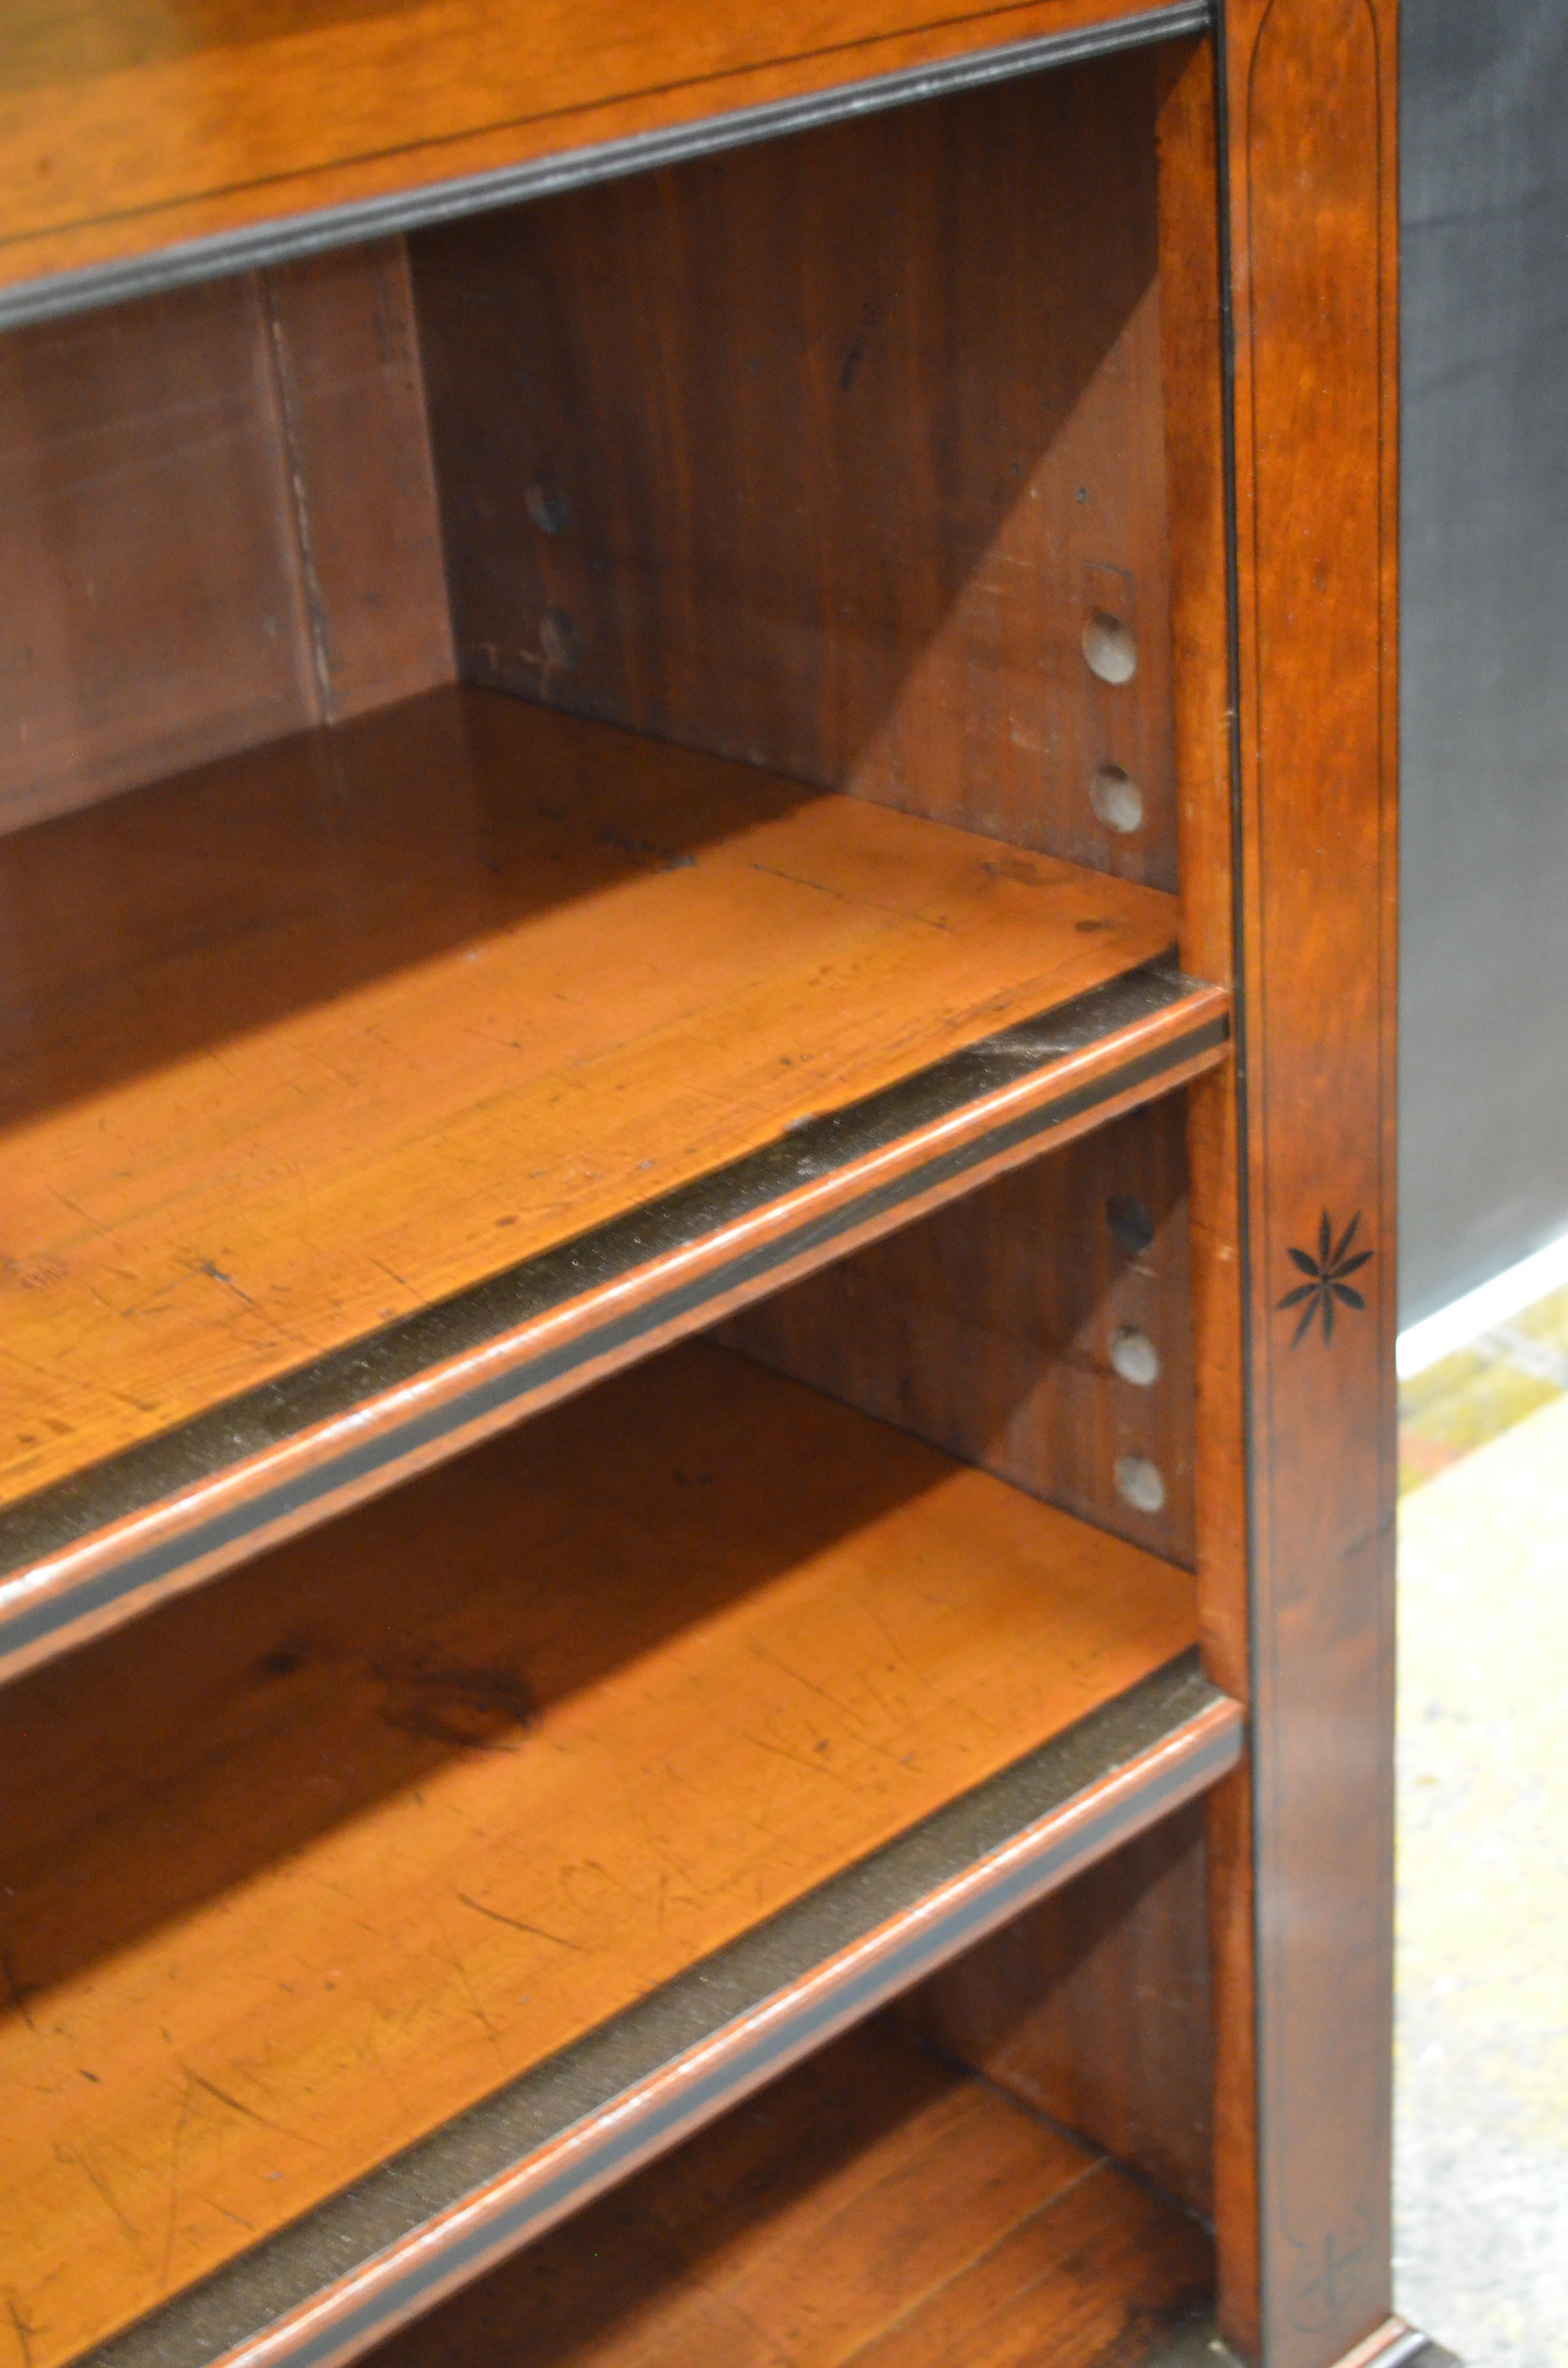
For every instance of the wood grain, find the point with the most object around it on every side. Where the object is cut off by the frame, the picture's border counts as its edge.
(1202, 717)
(351, 399)
(307, 1040)
(1314, 185)
(149, 585)
(845, 514)
(989, 1328)
(164, 1516)
(875, 2207)
(393, 1814)
(1095, 2007)
(220, 527)
(458, 2203)
(264, 116)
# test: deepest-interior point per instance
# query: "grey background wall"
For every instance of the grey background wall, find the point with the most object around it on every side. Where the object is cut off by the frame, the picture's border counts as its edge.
(1484, 987)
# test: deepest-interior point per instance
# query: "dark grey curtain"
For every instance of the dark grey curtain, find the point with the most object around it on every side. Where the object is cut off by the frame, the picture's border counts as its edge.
(1484, 989)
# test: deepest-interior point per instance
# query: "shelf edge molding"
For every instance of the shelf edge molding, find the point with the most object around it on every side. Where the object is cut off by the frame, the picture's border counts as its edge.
(526, 2157)
(92, 1551)
(291, 237)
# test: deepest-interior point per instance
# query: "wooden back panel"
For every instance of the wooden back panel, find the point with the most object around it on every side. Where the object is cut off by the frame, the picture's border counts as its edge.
(1095, 2007)
(821, 454)
(220, 527)
(990, 1328)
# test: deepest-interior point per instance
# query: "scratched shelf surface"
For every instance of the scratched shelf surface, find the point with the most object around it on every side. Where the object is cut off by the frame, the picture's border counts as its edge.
(314, 1860)
(877, 2208)
(348, 1069)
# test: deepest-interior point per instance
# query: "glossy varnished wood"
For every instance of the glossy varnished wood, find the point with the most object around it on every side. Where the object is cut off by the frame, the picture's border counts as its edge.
(220, 527)
(383, 1821)
(1095, 2007)
(1197, 475)
(350, 398)
(860, 413)
(258, 119)
(1311, 90)
(989, 1328)
(848, 515)
(457, 2202)
(97, 1549)
(307, 1040)
(877, 2207)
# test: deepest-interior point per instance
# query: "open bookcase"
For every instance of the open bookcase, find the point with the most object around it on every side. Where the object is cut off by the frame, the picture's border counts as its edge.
(694, 1429)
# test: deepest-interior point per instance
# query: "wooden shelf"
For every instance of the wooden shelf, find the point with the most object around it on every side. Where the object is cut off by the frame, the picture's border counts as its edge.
(877, 2207)
(340, 140)
(618, 1763)
(371, 1087)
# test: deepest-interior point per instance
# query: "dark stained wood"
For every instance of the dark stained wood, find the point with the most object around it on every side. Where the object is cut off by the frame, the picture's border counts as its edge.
(874, 2207)
(1313, 89)
(309, 1862)
(219, 527)
(149, 595)
(262, 116)
(1191, 278)
(823, 453)
(352, 401)
(989, 1328)
(1095, 2007)
(305, 1042)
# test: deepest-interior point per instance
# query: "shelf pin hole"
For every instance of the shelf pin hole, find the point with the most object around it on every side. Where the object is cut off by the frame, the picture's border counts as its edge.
(1117, 800)
(547, 507)
(1130, 1222)
(559, 639)
(1109, 648)
(1139, 1483)
(1135, 1357)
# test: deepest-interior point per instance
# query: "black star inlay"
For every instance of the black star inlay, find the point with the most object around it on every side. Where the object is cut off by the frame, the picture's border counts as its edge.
(1326, 1282)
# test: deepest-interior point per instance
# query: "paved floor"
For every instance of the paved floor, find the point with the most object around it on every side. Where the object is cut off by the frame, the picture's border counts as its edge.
(1482, 2125)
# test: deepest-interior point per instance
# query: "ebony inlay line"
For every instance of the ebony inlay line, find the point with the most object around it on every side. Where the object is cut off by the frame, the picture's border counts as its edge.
(239, 2302)
(259, 245)
(223, 1437)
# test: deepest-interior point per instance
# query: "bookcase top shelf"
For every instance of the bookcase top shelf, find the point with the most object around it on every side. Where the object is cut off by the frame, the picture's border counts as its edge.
(278, 138)
(472, 1048)
(395, 1816)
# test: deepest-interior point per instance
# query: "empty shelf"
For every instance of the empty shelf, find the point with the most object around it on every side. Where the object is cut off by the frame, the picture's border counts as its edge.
(361, 1091)
(876, 2209)
(617, 1763)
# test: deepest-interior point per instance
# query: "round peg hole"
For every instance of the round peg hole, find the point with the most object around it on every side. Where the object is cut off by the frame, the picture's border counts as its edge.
(547, 507)
(559, 638)
(1109, 648)
(1130, 1222)
(1139, 1483)
(1117, 800)
(1135, 1357)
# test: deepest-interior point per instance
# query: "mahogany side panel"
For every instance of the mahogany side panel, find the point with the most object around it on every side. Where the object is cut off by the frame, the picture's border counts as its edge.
(823, 455)
(266, 115)
(1094, 2008)
(1197, 469)
(990, 1328)
(1312, 96)
(219, 527)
